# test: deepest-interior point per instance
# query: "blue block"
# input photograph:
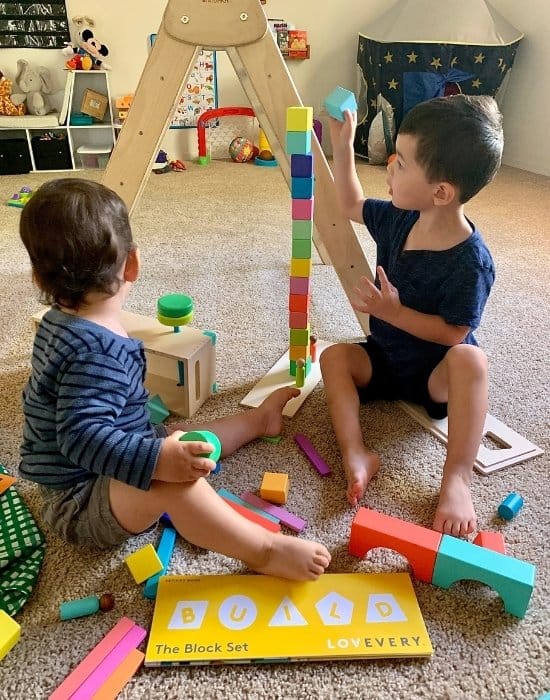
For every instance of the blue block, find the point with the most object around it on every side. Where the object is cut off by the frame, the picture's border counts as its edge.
(338, 101)
(164, 551)
(224, 493)
(302, 187)
(298, 142)
(301, 165)
(511, 578)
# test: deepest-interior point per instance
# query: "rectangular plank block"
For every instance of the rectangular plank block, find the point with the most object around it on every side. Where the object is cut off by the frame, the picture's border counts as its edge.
(311, 453)
(285, 517)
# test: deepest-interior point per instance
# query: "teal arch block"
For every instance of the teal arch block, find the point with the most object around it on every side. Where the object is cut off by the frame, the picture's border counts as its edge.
(511, 578)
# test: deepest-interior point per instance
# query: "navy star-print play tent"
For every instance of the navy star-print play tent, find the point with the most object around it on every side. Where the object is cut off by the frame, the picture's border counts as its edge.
(421, 49)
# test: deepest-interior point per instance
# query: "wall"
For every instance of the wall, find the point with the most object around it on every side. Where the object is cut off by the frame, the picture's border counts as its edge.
(333, 38)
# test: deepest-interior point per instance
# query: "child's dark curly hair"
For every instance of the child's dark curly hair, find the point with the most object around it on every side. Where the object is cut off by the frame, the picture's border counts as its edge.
(77, 233)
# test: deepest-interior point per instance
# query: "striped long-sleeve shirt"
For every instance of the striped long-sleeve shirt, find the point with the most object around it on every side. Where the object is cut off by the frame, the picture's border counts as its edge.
(85, 407)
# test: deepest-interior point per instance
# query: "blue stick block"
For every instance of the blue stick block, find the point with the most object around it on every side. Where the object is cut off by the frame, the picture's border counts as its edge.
(164, 551)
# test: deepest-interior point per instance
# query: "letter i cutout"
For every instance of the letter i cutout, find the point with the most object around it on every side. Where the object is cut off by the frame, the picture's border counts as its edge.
(299, 127)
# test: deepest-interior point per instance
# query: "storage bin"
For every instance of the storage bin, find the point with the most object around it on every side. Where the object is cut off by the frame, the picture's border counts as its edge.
(93, 156)
(15, 158)
(51, 153)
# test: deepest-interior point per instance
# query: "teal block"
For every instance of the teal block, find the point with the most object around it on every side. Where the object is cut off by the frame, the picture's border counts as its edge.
(164, 551)
(302, 228)
(511, 578)
(301, 248)
(157, 410)
(298, 142)
(236, 499)
(338, 101)
(302, 187)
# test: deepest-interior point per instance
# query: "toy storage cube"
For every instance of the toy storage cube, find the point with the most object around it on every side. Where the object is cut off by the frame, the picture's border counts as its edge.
(14, 157)
(51, 153)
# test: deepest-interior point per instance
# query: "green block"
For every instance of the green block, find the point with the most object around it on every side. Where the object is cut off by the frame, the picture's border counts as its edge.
(302, 228)
(511, 578)
(301, 248)
(299, 336)
(292, 370)
(157, 410)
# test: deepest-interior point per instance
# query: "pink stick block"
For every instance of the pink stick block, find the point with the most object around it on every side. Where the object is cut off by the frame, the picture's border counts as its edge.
(75, 679)
(104, 669)
(311, 453)
(289, 519)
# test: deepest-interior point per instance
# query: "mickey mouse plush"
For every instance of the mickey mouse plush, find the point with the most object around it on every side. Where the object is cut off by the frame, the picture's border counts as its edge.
(89, 52)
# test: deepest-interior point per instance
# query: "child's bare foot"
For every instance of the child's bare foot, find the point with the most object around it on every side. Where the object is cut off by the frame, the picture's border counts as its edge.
(360, 467)
(455, 514)
(290, 557)
(270, 412)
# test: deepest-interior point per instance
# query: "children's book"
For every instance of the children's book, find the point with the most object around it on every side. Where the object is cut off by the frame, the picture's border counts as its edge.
(243, 619)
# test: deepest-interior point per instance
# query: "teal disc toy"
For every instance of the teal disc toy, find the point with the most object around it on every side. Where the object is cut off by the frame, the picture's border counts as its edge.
(175, 309)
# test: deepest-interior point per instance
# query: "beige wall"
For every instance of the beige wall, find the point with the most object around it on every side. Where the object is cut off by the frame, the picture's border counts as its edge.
(125, 26)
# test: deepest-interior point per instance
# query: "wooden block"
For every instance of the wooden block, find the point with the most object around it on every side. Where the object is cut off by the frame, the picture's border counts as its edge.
(227, 495)
(300, 267)
(113, 685)
(299, 336)
(10, 632)
(274, 487)
(298, 142)
(298, 319)
(301, 248)
(285, 517)
(299, 118)
(298, 352)
(299, 302)
(311, 453)
(491, 540)
(253, 517)
(144, 563)
(301, 165)
(511, 578)
(302, 209)
(6, 480)
(300, 285)
(338, 101)
(302, 229)
(418, 544)
(164, 552)
(301, 187)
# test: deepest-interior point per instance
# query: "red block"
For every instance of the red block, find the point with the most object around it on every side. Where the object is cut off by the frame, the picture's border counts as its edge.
(491, 540)
(418, 544)
(299, 302)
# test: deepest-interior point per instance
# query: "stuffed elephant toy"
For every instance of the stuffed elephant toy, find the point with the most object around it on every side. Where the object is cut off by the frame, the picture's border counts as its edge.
(33, 85)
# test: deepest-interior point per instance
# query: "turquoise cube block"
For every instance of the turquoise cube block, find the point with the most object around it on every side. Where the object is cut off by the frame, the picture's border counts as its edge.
(301, 248)
(338, 101)
(302, 187)
(511, 578)
(157, 410)
(298, 142)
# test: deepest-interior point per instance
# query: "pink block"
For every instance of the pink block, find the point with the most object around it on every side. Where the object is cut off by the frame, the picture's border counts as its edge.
(90, 662)
(302, 209)
(96, 679)
(300, 285)
(297, 319)
(289, 519)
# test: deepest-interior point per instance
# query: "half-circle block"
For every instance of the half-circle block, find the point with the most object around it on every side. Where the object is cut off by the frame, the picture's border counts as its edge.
(511, 578)
(418, 544)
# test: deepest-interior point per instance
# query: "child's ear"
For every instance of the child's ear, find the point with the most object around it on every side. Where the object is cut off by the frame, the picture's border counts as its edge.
(444, 194)
(132, 266)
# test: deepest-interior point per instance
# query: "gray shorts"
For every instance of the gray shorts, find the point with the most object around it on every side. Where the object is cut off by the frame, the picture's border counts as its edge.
(82, 514)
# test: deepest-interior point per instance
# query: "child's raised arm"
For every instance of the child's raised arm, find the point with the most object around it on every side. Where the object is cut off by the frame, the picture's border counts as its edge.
(350, 193)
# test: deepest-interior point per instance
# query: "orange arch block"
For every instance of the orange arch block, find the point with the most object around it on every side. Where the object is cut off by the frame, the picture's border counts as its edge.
(418, 544)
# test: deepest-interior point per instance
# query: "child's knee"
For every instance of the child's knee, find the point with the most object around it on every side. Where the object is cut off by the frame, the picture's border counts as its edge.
(468, 358)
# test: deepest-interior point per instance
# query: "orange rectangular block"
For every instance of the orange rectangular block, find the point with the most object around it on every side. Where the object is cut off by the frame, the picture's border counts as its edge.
(254, 517)
(298, 352)
(120, 676)
(299, 302)
(491, 540)
(418, 544)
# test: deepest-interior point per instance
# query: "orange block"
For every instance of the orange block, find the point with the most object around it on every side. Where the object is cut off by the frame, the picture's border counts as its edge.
(298, 320)
(120, 676)
(418, 544)
(298, 352)
(299, 302)
(491, 540)
(254, 517)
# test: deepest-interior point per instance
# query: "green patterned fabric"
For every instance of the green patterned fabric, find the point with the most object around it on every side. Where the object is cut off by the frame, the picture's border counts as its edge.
(22, 550)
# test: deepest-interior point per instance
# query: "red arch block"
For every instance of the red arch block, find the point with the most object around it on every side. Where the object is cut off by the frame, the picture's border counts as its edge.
(418, 544)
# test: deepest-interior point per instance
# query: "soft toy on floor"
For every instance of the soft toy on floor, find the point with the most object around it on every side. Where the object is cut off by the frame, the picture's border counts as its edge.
(7, 107)
(89, 52)
(33, 85)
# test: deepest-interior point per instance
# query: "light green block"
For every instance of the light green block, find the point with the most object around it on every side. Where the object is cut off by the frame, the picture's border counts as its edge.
(302, 228)
(299, 336)
(511, 578)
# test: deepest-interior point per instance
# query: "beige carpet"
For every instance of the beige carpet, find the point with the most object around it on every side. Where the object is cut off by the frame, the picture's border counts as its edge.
(221, 234)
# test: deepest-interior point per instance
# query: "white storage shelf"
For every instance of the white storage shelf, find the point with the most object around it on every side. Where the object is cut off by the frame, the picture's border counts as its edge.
(76, 146)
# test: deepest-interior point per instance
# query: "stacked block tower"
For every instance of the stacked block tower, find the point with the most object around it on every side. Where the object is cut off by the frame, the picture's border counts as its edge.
(299, 127)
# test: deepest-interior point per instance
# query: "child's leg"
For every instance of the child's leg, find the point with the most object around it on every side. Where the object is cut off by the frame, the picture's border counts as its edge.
(461, 380)
(345, 367)
(237, 430)
(204, 519)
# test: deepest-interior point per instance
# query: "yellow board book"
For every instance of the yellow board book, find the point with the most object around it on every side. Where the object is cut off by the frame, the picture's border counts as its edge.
(239, 619)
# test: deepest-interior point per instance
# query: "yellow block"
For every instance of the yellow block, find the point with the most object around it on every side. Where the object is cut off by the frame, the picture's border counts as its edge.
(299, 118)
(300, 267)
(144, 563)
(10, 631)
(298, 352)
(274, 487)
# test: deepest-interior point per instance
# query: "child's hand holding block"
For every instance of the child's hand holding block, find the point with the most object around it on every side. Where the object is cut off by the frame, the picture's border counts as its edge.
(338, 101)
(274, 487)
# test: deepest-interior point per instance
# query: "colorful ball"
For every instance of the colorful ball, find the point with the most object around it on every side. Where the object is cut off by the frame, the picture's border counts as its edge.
(241, 149)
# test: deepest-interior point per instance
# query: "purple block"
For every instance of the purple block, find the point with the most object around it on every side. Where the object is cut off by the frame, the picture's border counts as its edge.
(300, 285)
(301, 165)
(311, 453)
(289, 519)
(302, 209)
